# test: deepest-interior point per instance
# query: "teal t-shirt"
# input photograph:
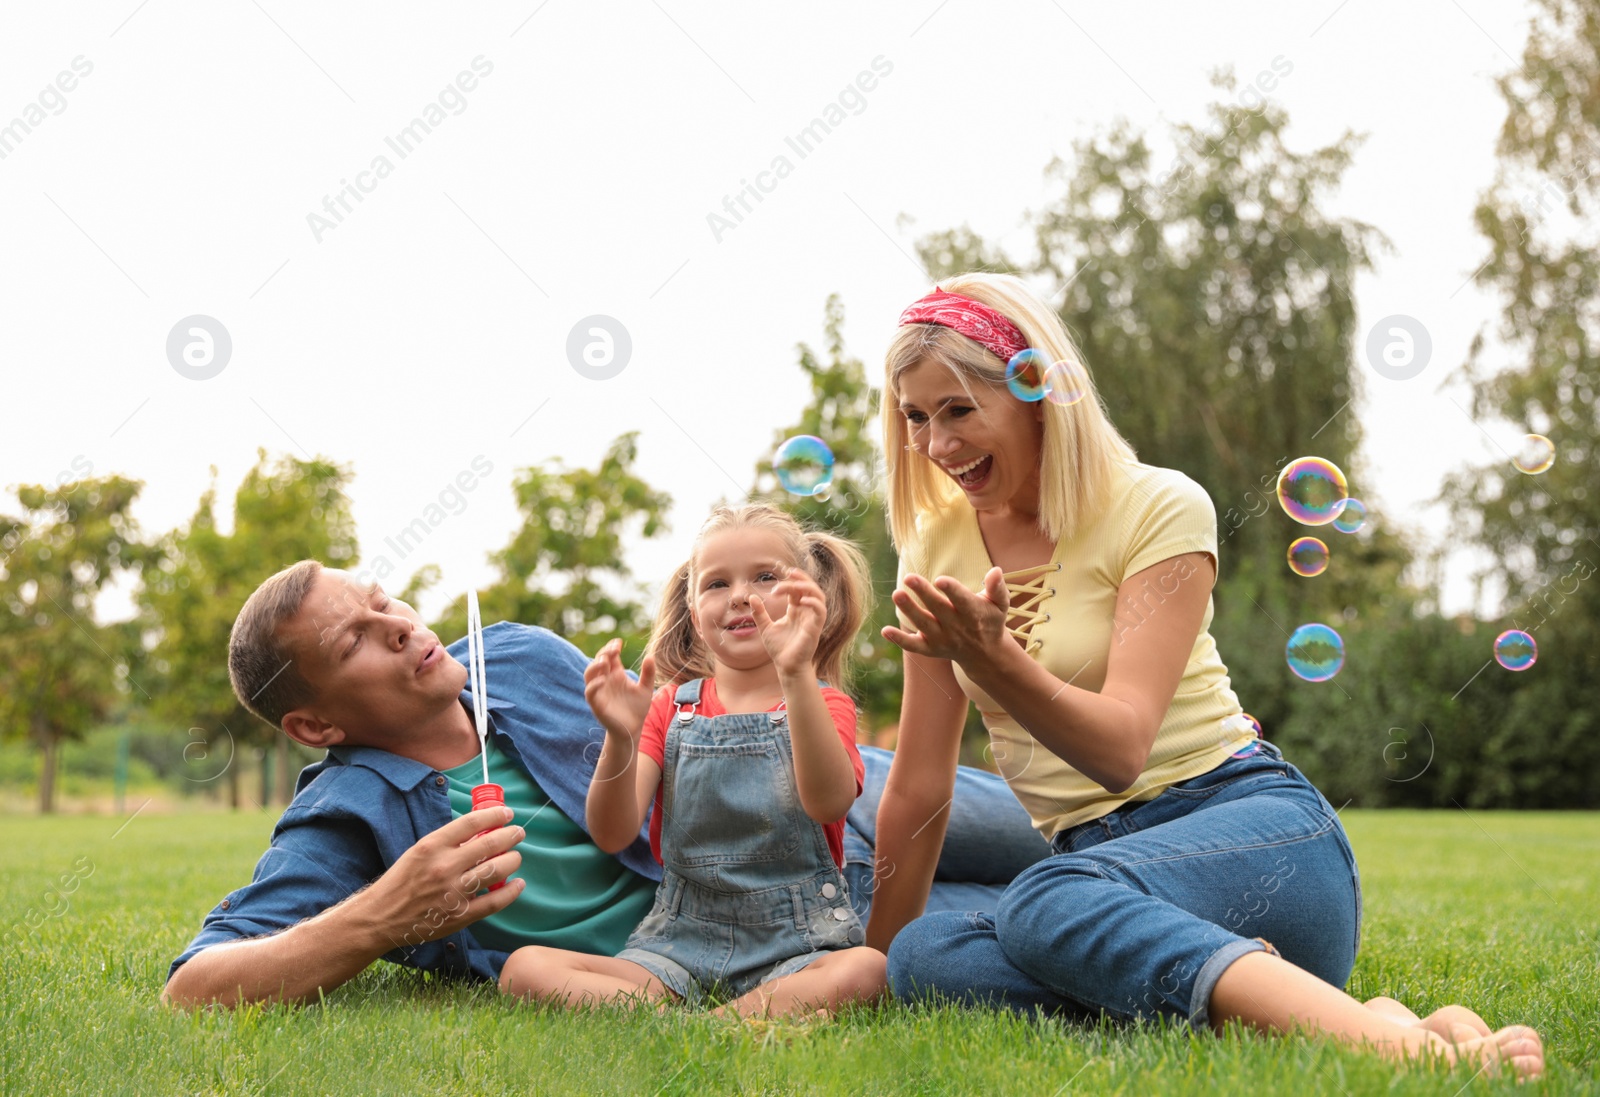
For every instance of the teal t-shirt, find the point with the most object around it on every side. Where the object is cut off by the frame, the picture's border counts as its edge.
(577, 896)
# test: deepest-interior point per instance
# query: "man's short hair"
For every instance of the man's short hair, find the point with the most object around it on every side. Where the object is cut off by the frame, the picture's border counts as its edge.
(265, 676)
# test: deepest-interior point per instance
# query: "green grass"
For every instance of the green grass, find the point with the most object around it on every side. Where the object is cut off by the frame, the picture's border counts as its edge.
(1497, 911)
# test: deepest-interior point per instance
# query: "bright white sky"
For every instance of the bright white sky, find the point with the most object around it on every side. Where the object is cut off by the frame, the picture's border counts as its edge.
(425, 329)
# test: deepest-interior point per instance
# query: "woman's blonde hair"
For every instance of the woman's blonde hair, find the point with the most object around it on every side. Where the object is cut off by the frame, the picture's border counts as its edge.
(838, 567)
(1081, 448)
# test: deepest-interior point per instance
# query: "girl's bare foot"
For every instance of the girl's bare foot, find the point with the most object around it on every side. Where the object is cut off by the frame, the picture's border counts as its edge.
(760, 1020)
(1518, 1045)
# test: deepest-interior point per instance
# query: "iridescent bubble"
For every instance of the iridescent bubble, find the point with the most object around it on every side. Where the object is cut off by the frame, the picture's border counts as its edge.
(1234, 725)
(1352, 517)
(1065, 383)
(1242, 725)
(1315, 652)
(1515, 649)
(1312, 490)
(804, 465)
(1025, 375)
(1536, 454)
(1308, 556)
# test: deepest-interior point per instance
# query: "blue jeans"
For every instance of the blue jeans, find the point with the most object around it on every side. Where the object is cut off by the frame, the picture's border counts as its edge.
(988, 839)
(1138, 913)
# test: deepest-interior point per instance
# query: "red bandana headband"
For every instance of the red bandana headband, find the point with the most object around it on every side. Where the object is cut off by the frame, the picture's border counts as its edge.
(974, 319)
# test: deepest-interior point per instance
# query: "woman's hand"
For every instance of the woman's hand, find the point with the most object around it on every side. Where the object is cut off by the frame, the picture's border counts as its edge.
(951, 621)
(791, 640)
(618, 702)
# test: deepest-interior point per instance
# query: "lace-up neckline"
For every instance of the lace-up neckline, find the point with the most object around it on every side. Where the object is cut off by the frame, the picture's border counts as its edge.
(1028, 588)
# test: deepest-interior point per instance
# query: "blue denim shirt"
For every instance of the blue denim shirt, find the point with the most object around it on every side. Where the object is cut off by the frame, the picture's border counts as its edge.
(355, 812)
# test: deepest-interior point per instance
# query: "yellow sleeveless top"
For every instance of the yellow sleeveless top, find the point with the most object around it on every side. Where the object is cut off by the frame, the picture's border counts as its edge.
(1069, 619)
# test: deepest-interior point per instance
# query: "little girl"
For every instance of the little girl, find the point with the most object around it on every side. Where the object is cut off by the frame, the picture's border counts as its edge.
(751, 764)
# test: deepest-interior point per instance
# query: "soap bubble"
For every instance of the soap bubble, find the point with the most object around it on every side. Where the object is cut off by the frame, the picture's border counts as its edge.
(1352, 517)
(1025, 375)
(1315, 652)
(1515, 649)
(1065, 383)
(1536, 454)
(1245, 719)
(804, 465)
(1308, 556)
(1312, 490)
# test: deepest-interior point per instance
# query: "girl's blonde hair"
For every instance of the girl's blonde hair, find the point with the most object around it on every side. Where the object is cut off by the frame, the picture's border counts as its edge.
(838, 567)
(1081, 448)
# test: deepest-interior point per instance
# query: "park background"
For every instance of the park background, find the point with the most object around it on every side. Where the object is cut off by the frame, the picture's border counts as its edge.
(1223, 236)
(1222, 203)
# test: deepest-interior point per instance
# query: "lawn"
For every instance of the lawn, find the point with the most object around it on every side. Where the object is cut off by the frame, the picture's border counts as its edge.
(1494, 910)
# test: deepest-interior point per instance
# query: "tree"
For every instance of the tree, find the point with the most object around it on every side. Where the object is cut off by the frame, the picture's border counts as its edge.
(1542, 531)
(60, 671)
(563, 568)
(284, 510)
(844, 413)
(1212, 300)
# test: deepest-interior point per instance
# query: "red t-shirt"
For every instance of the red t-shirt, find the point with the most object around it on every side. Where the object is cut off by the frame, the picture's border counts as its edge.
(653, 745)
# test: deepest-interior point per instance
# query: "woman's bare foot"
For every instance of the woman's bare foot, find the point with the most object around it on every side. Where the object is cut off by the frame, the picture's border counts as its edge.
(1518, 1045)
(1454, 1023)
(1392, 1009)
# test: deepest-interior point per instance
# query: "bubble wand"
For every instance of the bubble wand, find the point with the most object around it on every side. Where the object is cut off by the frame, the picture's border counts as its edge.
(487, 794)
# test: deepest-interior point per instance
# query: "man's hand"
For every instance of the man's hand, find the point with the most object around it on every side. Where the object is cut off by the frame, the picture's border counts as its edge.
(433, 889)
(429, 893)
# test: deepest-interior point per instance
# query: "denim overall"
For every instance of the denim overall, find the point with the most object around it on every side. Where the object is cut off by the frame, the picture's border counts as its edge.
(749, 891)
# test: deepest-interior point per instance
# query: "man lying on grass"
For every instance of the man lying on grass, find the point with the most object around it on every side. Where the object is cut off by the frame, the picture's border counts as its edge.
(379, 855)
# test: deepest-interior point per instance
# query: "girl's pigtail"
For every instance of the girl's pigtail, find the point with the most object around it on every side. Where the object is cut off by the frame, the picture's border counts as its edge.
(842, 572)
(673, 642)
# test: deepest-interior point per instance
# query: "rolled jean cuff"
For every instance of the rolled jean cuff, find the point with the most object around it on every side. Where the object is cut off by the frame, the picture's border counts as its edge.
(1210, 972)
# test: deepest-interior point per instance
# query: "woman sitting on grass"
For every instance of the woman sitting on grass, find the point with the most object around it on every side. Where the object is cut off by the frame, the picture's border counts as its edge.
(751, 764)
(1065, 588)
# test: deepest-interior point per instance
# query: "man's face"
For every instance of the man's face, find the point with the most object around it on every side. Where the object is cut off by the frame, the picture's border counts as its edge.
(378, 673)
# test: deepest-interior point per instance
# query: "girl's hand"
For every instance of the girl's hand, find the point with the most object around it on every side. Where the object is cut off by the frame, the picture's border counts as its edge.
(618, 702)
(951, 621)
(791, 640)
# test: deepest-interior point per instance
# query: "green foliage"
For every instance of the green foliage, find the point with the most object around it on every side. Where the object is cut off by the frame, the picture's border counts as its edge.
(284, 510)
(89, 764)
(1543, 531)
(1212, 300)
(425, 578)
(1212, 297)
(844, 412)
(61, 671)
(563, 568)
